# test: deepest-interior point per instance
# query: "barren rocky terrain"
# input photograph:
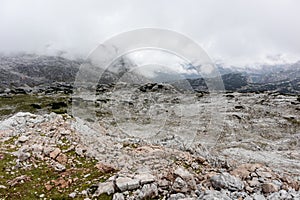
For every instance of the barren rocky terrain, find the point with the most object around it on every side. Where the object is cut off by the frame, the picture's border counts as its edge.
(146, 141)
(254, 155)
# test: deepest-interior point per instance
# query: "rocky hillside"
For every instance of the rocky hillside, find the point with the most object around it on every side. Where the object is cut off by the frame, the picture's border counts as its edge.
(58, 157)
(32, 73)
(144, 141)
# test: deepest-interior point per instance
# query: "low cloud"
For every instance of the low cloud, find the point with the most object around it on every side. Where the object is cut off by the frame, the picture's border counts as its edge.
(236, 32)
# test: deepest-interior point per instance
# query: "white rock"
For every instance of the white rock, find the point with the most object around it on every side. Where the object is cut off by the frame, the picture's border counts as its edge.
(186, 176)
(72, 195)
(145, 178)
(180, 185)
(2, 187)
(23, 138)
(22, 156)
(124, 183)
(212, 194)
(176, 196)
(118, 196)
(149, 191)
(104, 188)
(226, 181)
(59, 167)
(258, 197)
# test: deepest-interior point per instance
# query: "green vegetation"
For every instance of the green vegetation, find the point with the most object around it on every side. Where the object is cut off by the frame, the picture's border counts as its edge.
(34, 103)
(41, 179)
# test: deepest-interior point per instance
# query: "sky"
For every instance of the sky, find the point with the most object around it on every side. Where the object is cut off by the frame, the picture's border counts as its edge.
(236, 32)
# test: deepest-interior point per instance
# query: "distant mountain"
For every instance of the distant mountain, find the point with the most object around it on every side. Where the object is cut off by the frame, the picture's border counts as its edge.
(34, 72)
(265, 73)
(283, 78)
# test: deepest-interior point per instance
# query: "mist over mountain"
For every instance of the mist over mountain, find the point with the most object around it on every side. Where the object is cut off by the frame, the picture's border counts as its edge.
(34, 72)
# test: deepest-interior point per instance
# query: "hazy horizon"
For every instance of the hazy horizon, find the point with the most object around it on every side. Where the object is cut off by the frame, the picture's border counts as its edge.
(232, 32)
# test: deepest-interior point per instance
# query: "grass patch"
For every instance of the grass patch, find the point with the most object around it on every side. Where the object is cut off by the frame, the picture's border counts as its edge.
(34, 103)
(79, 175)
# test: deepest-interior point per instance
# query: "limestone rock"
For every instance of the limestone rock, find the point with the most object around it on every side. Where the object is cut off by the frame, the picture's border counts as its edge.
(180, 185)
(23, 139)
(125, 183)
(186, 176)
(177, 196)
(213, 195)
(145, 178)
(104, 188)
(118, 196)
(226, 181)
(149, 191)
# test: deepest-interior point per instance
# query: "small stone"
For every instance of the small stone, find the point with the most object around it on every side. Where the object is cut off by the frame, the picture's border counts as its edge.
(258, 197)
(72, 195)
(213, 194)
(200, 159)
(104, 188)
(18, 180)
(84, 192)
(62, 158)
(2, 187)
(180, 185)
(66, 132)
(226, 181)
(289, 182)
(186, 176)
(264, 174)
(195, 166)
(164, 184)
(177, 196)
(80, 151)
(249, 189)
(105, 168)
(87, 175)
(254, 182)
(22, 156)
(59, 167)
(47, 150)
(23, 139)
(127, 183)
(149, 191)
(118, 196)
(37, 149)
(145, 178)
(269, 188)
(55, 153)
(48, 187)
(242, 173)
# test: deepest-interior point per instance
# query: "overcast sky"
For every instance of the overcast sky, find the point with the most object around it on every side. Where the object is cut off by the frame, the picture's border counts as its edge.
(234, 31)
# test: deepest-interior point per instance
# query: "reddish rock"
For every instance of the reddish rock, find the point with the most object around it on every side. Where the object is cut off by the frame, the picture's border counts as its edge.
(242, 173)
(200, 159)
(55, 153)
(253, 183)
(62, 158)
(269, 188)
(105, 168)
(48, 187)
(289, 182)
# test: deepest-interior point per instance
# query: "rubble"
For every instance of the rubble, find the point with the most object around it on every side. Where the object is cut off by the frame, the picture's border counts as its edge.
(142, 171)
